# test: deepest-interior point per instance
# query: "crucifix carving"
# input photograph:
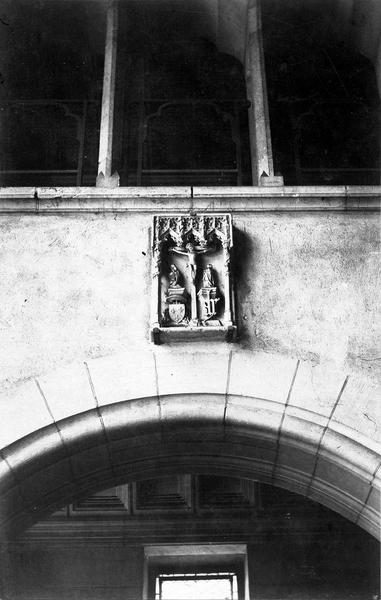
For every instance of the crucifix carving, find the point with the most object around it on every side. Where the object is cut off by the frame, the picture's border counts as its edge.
(191, 277)
(191, 251)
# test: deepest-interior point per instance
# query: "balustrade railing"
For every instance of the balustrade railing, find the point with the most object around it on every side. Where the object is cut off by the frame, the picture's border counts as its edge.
(327, 142)
(186, 142)
(49, 142)
(55, 143)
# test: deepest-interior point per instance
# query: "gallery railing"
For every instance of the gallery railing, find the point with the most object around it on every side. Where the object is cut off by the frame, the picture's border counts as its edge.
(55, 143)
(186, 141)
(327, 142)
(49, 142)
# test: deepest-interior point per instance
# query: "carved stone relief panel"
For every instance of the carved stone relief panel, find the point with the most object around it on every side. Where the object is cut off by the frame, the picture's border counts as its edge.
(191, 278)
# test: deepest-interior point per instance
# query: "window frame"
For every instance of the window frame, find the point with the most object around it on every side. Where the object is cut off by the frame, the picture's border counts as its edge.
(231, 577)
(193, 558)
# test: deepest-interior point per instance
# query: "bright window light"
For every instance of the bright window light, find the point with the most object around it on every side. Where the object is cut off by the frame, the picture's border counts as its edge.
(196, 586)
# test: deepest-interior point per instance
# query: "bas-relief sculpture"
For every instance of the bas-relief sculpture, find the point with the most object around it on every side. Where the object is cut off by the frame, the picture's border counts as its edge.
(191, 278)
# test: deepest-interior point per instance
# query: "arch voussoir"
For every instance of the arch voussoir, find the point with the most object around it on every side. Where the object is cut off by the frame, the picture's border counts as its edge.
(227, 427)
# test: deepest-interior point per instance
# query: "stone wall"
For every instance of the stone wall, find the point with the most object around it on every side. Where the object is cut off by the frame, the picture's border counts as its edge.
(303, 374)
(280, 566)
(78, 287)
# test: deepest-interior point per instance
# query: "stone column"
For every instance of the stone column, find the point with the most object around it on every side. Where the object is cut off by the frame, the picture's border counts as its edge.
(228, 320)
(194, 316)
(105, 177)
(259, 124)
(378, 73)
(156, 290)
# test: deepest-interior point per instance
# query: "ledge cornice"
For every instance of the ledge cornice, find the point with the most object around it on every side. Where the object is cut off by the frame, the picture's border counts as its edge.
(187, 199)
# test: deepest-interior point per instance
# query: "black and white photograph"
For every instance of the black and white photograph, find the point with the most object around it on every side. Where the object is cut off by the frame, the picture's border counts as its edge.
(190, 299)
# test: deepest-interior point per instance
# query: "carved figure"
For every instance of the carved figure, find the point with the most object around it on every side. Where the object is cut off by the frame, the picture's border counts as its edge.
(208, 277)
(191, 251)
(174, 276)
(208, 294)
(176, 298)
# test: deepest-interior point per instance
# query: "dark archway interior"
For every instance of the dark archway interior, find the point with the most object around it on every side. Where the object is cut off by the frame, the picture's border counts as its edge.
(93, 548)
(188, 481)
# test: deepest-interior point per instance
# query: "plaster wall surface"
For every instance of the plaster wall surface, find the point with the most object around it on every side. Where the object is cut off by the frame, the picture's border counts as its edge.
(301, 384)
(78, 287)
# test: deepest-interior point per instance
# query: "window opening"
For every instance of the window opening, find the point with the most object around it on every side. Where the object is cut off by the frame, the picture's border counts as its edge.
(323, 101)
(51, 97)
(181, 110)
(200, 586)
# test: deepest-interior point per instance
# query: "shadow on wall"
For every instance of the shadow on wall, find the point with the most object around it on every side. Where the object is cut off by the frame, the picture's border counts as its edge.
(244, 271)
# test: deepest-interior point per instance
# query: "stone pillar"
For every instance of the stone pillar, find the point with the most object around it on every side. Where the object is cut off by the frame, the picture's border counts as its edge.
(228, 320)
(194, 316)
(259, 123)
(105, 177)
(156, 291)
(378, 74)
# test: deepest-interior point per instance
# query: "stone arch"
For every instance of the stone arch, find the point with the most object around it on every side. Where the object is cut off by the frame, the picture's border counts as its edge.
(254, 415)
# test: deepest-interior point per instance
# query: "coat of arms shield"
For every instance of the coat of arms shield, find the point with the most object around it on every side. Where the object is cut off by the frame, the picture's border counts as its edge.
(176, 311)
